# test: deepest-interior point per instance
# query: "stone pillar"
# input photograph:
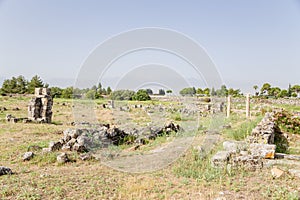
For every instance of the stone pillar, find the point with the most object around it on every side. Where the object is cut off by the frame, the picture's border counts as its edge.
(248, 105)
(228, 106)
(112, 104)
(40, 107)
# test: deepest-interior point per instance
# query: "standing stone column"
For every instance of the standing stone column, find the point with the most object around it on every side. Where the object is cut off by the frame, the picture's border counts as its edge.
(228, 106)
(40, 107)
(112, 103)
(248, 105)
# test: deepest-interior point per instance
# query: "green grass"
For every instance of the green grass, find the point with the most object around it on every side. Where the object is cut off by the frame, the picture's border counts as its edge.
(242, 130)
(291, 108)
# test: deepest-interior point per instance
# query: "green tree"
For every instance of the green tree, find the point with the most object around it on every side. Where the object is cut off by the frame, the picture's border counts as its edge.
(265, 89)
(290, 90)
(283, 93)
(35, 82)
(206, 92)
(296, 89)
(21, 85)
(67, 93)
(56, 92)
(141, 95)
(223, 92)
(213, 92)
(108, 91)
(199, 91)
(91, 94)
(255, 87)
(188, 91)
(15, 85)
(9, 85)
(149, 91)
(122, 95)
(234, 92)
(161, 92)
(169, 91)
(274, 91)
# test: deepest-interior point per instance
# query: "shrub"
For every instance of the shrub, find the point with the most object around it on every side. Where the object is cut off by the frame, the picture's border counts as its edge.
(287, 122)
(122, 95)
(141, 95)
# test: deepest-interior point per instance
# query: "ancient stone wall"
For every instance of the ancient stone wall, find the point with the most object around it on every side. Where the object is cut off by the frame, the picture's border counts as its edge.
(265, 130)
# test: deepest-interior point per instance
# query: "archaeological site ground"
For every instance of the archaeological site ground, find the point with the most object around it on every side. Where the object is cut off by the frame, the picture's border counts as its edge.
(149, 149)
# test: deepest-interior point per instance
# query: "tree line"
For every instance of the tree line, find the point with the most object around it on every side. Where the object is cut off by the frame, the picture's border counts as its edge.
(275, 92)
(221, 92)
(19, 85)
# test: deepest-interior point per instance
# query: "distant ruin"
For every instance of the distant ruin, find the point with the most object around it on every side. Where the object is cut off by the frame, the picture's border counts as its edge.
(40, 106)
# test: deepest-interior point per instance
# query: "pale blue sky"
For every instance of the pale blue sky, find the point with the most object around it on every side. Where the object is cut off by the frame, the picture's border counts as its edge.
(250, 42)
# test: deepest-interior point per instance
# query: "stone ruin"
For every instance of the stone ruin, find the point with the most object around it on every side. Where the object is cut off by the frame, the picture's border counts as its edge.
(40, 107)
(250, 153)
(86, 139)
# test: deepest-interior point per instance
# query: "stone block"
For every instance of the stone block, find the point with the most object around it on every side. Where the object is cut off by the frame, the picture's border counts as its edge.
(220, 159)
(263, 150)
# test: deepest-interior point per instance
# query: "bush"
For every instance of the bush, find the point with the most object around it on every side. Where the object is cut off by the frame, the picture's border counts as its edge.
(67, 93)
(122, 95)
(91, 94)
(141, 95)
(188, 91)
(287, 122)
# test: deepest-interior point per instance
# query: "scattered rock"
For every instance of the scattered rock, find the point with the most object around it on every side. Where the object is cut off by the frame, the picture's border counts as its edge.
(87, 156)
(101, 136)
(5, 171)
(3, 109)
(79, 148)
(62, 158)
(220, 159)
(55, 146)
(277, 173)
(28, 156)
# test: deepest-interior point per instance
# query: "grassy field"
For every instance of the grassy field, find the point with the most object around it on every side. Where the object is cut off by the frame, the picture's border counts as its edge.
(189, 177)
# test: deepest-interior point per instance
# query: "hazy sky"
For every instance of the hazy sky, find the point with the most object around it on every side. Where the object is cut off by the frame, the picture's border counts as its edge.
(250, 42)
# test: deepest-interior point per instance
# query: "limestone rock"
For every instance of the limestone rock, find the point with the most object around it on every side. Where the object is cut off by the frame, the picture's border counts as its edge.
(277, 173)
(5, 170)
(247, 162)
(28, 156)
(263, 150)
(71, 142)
(87, 156)
(79, 148)
(62, 158)
(55, 146)
(220, 159)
